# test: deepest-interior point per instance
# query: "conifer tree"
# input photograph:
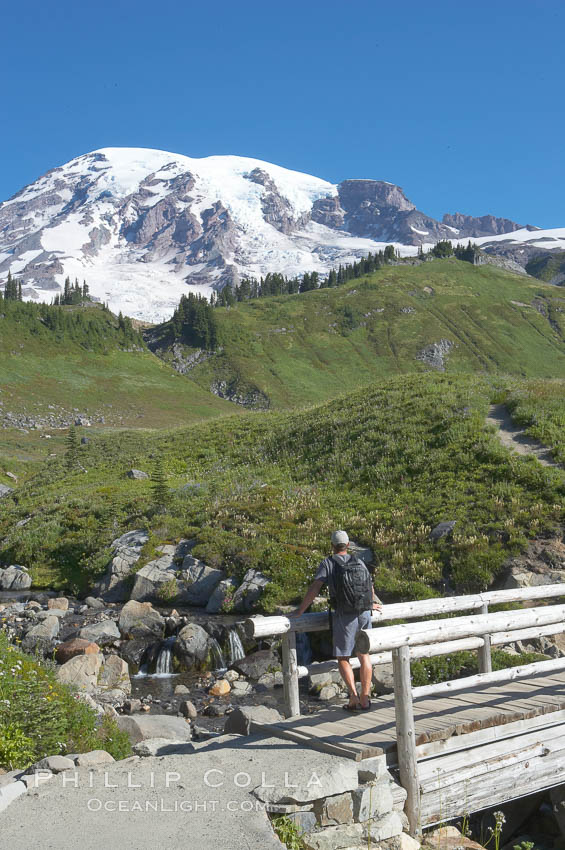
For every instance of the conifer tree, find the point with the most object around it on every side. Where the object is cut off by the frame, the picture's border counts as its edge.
(71, 454)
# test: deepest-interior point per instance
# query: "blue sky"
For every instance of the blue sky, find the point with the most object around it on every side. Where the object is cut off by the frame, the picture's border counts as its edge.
(459, 103)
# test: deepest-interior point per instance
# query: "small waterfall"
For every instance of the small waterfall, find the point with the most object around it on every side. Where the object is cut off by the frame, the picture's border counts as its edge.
(303, 649)
(235, 646)
(163, 666)
(218, 660)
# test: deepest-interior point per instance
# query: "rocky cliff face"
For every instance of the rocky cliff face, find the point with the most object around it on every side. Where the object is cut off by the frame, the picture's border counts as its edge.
(486, 225)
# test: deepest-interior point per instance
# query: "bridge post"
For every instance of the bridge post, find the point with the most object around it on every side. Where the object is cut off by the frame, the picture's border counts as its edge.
(290, 674)
(485, 660)
(406, 736)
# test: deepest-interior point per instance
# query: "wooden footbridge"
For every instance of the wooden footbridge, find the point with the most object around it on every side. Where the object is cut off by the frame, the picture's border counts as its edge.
(458, 746)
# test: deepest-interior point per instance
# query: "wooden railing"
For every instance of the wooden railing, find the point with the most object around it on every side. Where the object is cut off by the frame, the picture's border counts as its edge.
(404, 642)
(258, 627)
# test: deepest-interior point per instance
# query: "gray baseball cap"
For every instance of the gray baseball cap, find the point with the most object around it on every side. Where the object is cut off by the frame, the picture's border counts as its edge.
(340, 538)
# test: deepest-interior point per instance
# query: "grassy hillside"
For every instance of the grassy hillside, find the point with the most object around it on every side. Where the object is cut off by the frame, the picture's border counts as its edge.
(302, 349)
(84, 362)
(548, 267)
(387, 463)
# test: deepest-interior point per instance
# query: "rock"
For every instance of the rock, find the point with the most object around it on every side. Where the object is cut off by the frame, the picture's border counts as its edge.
(448, 838)
(114, 674)
(162, 747)
(334, 837)
(387, 826)
(81, 672)
(222, 596)
(240, 719)
(12, 476)
(34, 780)
(51, 612)
(10, 792)
(73, 647)
(41, 637)
(188, 709)
(434, 354)
(404, 842)
(442, 529)
(149, 580)
(331, 811)
(231, 676)
(192, 646)
(56, 764)
(200, 580)
(137, 475)
(363, 552)
(61, 603)
(5, 491)
(257, 663)
(269, 680)
(249, 591)
(383, 679)
(241, 688)
(145, 726)
(328, 692)
(220, 688)
(132, 705)
(94, 758)
(127, 550)
(181, 689)
(303, 821)
(372, 768)
(94, 602)
(372, 801)
(133, 651)
(14, 577)
(102, 633)
(140, 619)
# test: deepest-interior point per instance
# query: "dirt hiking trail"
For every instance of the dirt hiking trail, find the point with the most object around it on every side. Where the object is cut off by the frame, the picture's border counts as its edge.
(514, 437)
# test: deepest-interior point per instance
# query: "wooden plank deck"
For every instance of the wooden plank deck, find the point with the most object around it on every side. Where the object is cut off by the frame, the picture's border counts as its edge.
(364, 734)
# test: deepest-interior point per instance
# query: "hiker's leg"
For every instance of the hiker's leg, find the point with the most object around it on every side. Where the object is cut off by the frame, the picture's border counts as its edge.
(365, 674)
(349, 679)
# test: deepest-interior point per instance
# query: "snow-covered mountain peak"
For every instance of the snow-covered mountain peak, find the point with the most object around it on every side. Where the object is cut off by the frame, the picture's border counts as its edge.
(144, 226)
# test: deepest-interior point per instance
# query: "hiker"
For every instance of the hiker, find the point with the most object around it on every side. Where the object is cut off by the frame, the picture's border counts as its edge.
(352, 600)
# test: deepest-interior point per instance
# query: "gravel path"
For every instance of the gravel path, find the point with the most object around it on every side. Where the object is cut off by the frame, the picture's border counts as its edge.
(514, 437)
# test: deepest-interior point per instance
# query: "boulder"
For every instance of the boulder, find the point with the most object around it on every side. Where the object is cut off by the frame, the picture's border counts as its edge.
(249, 591)
(73, 647)
(133, 651)
(94, 758)
(372, 801)
(60, 603)
(222, 596)
(149, 579)
(241, 688)
(114, 587)
(114, 674)
(41, 637)
(257, 663)
(188, 709)
(145, 726)
(14, 577)
(5, 491)
(93, 602)
(102, 633)
(140, 620)
(200, 580)
(81, 672)
(220, 688)
(137, 474)
(162, 747)
(192, 646)
(383, 679)
(442, 529)
(240, 719)
(56, 764)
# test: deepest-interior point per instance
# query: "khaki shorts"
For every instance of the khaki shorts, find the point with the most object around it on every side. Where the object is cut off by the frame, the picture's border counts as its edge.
(344, 631)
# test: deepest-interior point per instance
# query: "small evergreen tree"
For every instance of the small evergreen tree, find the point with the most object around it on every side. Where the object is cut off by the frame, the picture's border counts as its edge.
(71, 454)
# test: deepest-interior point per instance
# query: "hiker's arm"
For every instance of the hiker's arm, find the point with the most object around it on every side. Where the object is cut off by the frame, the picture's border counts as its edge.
(311, 594)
